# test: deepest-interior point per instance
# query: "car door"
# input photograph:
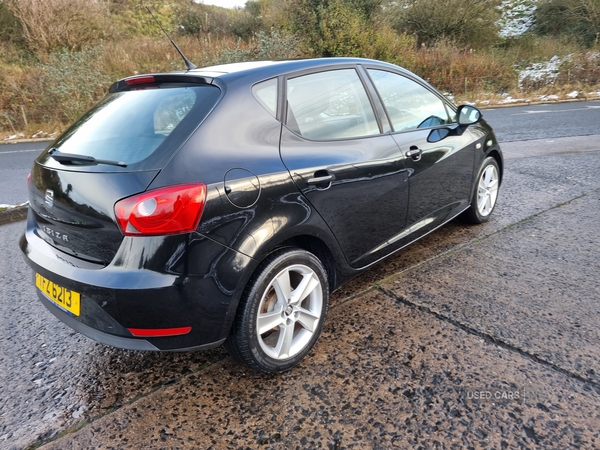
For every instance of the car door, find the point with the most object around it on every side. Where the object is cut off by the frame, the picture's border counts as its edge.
(351, 174)
(439, 163)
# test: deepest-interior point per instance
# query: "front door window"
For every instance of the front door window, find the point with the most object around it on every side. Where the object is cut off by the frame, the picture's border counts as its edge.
(409, 105)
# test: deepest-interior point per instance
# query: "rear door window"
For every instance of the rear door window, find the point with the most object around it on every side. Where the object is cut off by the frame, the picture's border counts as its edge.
(330, 105)
(141, 127)
(266, 94)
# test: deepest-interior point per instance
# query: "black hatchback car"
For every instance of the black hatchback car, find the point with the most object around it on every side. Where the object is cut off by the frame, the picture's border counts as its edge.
(224, 204)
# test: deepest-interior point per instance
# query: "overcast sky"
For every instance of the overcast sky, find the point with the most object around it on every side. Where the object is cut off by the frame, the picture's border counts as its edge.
(224, 3)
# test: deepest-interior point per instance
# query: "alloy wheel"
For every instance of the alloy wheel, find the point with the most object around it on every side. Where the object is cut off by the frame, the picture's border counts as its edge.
(487, 190)
(289, 312)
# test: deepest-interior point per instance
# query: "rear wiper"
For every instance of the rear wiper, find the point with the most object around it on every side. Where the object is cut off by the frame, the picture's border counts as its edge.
(71, 157)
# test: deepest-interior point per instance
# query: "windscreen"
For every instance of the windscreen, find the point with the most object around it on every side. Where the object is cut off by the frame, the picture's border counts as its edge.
(140, 127)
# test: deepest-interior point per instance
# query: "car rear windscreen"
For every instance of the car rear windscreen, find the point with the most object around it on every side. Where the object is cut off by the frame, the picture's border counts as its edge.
(141, 128)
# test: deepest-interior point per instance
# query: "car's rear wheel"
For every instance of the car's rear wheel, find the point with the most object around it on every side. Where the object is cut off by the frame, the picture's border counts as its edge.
(485, 194)
(282, 312)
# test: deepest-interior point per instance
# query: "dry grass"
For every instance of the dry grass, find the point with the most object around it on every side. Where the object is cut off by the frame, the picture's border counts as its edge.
(583, 69)
(532, 49)
(17, 97)
(462, 71)
(30, 93)
(65, 65)
(144, 55)
(53, 24)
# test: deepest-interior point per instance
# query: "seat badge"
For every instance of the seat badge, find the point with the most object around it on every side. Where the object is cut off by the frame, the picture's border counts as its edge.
(49, 199)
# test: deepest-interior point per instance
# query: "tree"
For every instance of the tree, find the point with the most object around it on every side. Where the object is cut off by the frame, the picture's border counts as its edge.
(368, 8)
(579, 18)
(53, 24)
(10, 27)
(470, 23)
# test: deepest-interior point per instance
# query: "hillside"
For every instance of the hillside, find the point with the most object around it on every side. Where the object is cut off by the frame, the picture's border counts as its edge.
(58, 57)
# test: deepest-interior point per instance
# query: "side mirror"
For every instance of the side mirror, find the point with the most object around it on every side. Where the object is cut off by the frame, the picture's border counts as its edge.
(468, 115)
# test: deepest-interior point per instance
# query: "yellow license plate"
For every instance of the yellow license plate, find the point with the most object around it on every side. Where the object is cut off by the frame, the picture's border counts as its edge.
(63, 297)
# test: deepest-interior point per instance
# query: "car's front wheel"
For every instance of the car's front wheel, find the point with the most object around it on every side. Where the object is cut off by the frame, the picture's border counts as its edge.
(282, 312)
(485, 194)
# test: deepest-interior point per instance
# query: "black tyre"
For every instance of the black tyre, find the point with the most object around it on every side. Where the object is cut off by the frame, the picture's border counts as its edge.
(485, 193)
(282, 312)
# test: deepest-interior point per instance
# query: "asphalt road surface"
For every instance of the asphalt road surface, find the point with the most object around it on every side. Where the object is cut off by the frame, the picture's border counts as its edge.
(546, 121)
(15, 164)
(476, 336)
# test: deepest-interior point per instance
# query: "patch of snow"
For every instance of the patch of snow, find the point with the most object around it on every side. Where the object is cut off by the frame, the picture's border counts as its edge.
(517, 17)
(573, 94)
(42, 135)
(549, 98)
(547, 71)
(38, 134)
(593, 56)
(449, 96)
(13, 206)
(508, 99)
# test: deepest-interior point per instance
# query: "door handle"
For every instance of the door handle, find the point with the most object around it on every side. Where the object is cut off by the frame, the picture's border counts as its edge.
(320, 180)
(321, 177)
(414, 153)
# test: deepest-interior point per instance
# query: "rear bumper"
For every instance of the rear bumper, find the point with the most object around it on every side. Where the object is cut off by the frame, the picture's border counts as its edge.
(111, 339)
(93, 333)
(133, 291)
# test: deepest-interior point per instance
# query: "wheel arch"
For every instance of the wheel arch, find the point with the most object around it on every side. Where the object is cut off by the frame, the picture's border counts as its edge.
(495, 153)
(307, 242)
(318, 248)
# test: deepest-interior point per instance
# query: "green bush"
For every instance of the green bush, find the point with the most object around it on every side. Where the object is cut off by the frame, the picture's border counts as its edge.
(202, 20)
(580, 18)
(237, 54)
(468, 23)
(130, 18)
(249, 21)
(341, 31)
(10, 26)
(72, 83)
(337, 28)
(274, 45)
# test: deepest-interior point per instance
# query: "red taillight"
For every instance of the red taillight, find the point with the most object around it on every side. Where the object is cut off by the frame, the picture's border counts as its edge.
(28, 177)
(140, 80)
(159, 332)
(169, 210)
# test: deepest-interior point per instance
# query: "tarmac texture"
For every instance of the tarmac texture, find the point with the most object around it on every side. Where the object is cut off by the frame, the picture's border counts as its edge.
(473, 337)
(493, 345)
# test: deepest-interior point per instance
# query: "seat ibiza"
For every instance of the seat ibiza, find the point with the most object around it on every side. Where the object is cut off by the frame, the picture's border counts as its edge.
(223, 205)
